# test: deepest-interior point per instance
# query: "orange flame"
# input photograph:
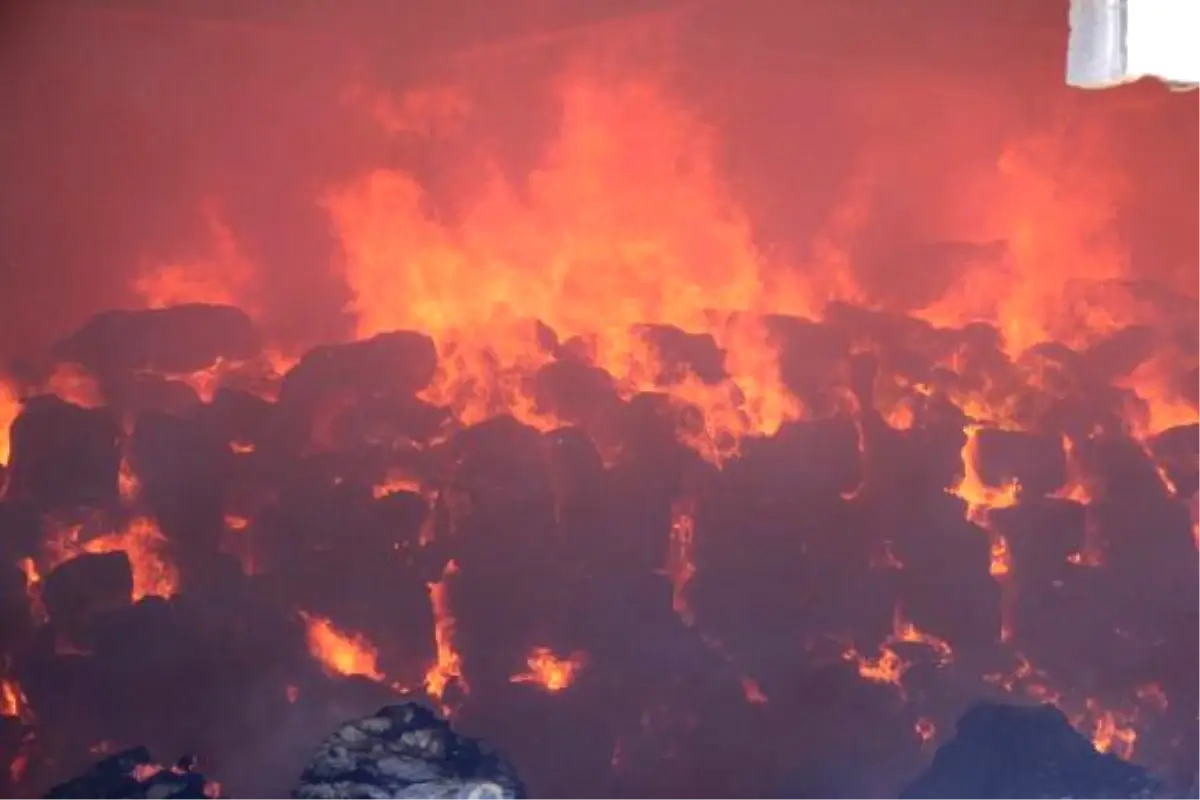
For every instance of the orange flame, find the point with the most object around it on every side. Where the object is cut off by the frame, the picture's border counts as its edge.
(670, 252)
(888, 667)
(340, 653)
(223, 276)
(141, 541)
(13, 702)
(448, 667)
(550, 672)
(10, 409)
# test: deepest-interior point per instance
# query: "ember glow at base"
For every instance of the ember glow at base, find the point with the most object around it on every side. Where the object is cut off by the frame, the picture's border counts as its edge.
(667, 448)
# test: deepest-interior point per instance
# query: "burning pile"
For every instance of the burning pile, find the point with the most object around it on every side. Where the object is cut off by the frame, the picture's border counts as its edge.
(650, 513)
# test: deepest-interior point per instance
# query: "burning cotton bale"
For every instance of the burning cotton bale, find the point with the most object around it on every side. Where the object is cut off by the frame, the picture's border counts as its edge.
(406, 750)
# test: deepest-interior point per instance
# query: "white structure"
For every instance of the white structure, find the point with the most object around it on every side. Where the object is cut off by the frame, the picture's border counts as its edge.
(1118, 41)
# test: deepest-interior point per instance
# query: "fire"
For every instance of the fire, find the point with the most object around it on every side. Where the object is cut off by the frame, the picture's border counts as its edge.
(33, 588)
(979, 497)
(13, 702)
(448, 667)
(1112, 731)
(1001, 564)
(396, 481)
(1060, 177)
(549, 671)
(73, 384)
(340, 653)
(238, 540)
(926, 730)
(594, 258)
(680, 568)
(10, 409)
(670, 251)
(888, 667)
(128, 484)
(141, 541)
(224, 275)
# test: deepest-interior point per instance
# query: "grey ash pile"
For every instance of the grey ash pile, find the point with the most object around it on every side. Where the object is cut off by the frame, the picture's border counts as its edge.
(406, 750)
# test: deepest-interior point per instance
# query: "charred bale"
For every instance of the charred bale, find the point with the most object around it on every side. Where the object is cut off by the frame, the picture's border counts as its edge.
(152, 392)
(175, 340)
(185, 469)
(406, 750)
(574, 391)
(64, 456)
(1022, 751)
(388, 421)
(86, 586)
(399, 363)
(16, 619)
(681, 353)
(240, 418)
(20, 529)
(1035, 461)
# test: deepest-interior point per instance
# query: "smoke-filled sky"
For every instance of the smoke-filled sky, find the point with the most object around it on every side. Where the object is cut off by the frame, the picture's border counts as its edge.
(144, 133)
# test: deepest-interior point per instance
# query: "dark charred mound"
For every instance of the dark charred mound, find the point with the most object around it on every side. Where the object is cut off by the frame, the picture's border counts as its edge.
(406, 750)
(1026, 751)
(133, 773)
